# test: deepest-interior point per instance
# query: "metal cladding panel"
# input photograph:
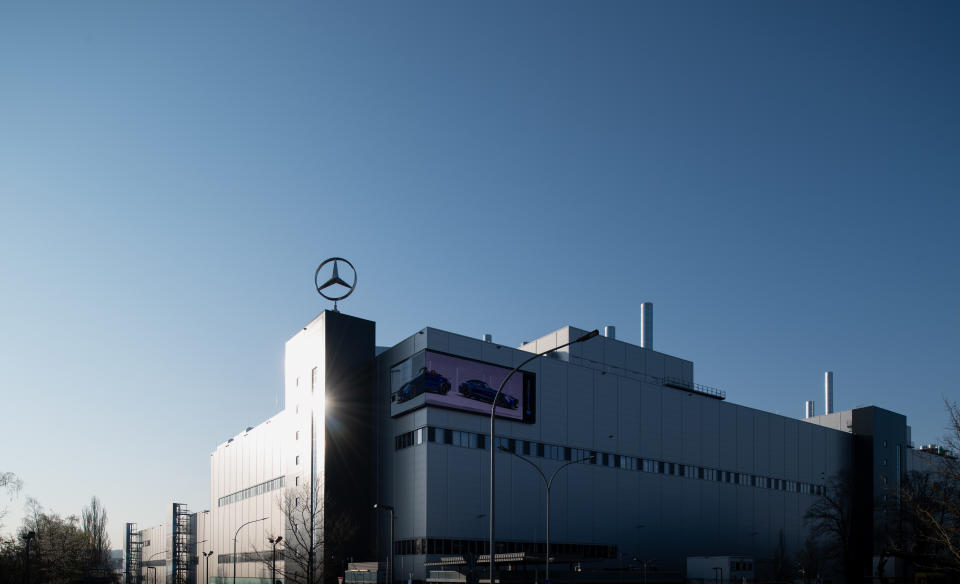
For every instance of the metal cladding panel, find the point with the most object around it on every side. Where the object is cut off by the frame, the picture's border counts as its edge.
(651, 426)
(656, 366)
(761, 460)
(745, 440)
(437, 487)
(629, 414)
(692, 430)
(606, 407)
(580, 418)
(552, 403)
(672, 416)
(438, 340)
(466, 347)
(636, 359)
(614, 352)
(349, 462)
(727, 439)
(778, 453)
(710, 430)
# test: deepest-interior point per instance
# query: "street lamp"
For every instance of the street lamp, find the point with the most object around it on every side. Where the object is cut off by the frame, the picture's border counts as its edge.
(273, 541)
(28, 536)
(493, 441)
(235, 545)
(154, 568)
(389, 509)
(548, 483)
(206, 557)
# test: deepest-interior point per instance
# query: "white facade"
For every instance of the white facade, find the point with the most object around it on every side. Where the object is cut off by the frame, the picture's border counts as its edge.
(605, 397)
(678, 471)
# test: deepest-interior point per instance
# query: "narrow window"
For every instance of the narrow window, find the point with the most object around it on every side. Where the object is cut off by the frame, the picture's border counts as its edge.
(296, 460)
(314, 380)
(297, 435)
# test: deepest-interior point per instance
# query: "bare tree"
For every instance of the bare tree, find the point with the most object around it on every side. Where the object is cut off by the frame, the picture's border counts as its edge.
(931, 504)
(315, 531)
(12, 485)
(831, 519)
(94, 522)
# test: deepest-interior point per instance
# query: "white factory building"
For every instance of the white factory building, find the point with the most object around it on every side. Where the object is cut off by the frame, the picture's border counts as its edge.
(669, 470)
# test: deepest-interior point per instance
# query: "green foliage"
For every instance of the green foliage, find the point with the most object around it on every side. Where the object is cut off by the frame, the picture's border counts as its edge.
(59, 551)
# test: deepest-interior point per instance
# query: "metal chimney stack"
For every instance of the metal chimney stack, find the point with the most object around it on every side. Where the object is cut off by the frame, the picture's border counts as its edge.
(610, 331)
(646, 325)
(810, 410)
(828, 390)
(488, 338)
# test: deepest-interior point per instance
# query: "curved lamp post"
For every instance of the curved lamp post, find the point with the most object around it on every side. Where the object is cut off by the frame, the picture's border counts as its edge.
(154, 568)
(235, 545)
(548, 483)
(206, 557)
(274, 542)
(493, 441)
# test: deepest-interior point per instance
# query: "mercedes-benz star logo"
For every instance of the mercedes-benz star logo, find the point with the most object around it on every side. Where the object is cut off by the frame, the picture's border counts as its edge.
(331, 288)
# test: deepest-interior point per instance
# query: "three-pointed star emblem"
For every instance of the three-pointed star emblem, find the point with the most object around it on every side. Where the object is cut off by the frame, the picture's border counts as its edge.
(329, 288)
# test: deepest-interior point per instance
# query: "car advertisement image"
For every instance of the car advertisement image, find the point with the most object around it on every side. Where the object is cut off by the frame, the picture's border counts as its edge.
(458, 383)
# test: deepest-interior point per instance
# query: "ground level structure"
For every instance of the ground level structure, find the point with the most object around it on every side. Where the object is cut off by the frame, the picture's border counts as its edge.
(659, 468)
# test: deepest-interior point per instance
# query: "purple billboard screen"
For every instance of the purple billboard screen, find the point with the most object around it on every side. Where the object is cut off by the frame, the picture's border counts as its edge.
(443, 380)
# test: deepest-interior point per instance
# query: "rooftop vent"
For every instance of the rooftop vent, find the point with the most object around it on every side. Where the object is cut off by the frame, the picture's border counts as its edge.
(610, 331)
(828, 390)
(487, 338)
(646, 325)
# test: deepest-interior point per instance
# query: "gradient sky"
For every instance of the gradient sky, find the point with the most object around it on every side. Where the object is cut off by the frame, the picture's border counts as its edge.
(780, 179)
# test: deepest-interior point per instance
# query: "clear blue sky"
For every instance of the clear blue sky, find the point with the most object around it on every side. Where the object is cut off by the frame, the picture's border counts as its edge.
(780, 179)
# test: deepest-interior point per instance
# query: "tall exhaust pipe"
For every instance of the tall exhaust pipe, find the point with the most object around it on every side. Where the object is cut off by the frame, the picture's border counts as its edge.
(646, 325)
(828, 390)
(810, 411)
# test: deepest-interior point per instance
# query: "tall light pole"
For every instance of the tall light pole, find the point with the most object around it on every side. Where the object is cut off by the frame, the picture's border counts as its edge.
(389, 509)
(206, 557)
(493, 440)
(548, 483)
(235, 545)
(154, 568)
(274, 542)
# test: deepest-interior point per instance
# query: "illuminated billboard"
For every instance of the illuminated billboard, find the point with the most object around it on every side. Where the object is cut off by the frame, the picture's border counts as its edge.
(436, 379)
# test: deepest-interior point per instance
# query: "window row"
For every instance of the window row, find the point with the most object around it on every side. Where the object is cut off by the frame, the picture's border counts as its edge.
(253, 491)
(564, 453)
(446, 547)
(261, 556)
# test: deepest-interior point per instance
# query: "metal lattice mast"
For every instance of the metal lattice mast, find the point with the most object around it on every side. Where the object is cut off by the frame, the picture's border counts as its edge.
(181, 544)
(134, 551)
